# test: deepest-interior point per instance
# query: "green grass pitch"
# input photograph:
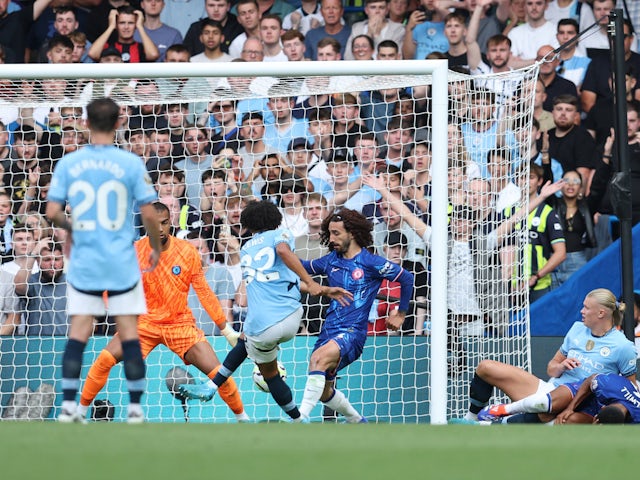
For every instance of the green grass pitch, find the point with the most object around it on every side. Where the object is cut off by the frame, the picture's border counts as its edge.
(46, 450)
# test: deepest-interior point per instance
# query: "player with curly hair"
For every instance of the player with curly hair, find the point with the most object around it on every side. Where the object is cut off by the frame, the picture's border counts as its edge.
(349, 265)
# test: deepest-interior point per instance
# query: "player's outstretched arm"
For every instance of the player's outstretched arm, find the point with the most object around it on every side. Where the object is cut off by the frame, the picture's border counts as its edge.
(292, 262)
(152, 227)
(582, 394)
(342, 296)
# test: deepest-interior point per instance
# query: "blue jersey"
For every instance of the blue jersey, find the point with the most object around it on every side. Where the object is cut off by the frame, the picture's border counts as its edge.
(273, 291)
(610, 388)
(611, 353)
(102, 183)
(362, 276)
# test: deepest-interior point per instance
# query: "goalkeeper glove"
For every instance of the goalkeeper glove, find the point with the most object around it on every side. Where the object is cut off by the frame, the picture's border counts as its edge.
(230, 334)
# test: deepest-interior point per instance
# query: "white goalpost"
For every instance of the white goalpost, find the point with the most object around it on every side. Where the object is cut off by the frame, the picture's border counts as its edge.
(470, 307)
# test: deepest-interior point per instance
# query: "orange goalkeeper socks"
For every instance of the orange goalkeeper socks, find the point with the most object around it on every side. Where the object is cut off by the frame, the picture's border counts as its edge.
(97, 377)
(229, 392)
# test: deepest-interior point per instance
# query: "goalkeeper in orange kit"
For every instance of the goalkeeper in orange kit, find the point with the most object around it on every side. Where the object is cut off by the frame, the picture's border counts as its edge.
(168, 320)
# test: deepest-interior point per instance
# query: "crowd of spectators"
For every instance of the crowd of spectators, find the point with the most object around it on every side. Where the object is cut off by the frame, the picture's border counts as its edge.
(312, 153)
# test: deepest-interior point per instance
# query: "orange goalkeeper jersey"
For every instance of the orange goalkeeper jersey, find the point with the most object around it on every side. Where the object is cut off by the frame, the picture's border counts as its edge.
(167, 286)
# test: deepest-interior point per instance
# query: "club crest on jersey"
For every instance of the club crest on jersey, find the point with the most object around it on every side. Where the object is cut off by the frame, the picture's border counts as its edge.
(605, 351)
(589, 346)
(176, 270)
(357, 274)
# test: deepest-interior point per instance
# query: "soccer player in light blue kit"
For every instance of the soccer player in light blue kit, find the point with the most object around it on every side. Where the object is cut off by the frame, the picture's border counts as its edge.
(351, 266)
(593, 346)
(101, 184)
(271, 274)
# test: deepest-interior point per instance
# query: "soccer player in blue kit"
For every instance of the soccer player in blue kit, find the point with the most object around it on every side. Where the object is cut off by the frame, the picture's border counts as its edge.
(102, 183)
(272, 274)
(605, 398)
(352, 266)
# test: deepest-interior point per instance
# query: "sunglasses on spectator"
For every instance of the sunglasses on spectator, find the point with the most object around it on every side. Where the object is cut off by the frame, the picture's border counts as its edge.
(572, 181)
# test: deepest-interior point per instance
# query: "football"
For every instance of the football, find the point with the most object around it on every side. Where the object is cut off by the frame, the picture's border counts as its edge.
(259, 381)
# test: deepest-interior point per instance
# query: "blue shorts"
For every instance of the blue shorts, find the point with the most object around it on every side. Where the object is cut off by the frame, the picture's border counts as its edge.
(590, 406)
(350, 344)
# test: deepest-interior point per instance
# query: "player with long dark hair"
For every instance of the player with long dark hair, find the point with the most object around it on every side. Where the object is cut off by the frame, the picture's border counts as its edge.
(349, 265)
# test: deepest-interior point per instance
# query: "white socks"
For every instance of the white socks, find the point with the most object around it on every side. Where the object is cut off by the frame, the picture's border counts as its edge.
(340, 404)
(312, 392)
(536, 403)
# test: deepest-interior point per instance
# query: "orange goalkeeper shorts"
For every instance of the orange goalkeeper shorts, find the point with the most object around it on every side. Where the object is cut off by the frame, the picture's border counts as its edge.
(178, 338)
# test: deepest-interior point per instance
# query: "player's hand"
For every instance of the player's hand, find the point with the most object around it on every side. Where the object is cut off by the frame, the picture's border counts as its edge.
(231, 335)
(154, 258)
(342, 296)
(314, 288)
(395, 320)
(570, 363)
(563, 417)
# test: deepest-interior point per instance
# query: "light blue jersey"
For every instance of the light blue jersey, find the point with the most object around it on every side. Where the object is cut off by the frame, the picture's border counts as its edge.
(611, 353)
(479, 144)
(102, 183)
(273, 291)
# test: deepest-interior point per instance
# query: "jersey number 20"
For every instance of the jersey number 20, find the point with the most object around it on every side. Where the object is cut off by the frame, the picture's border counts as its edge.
(111, 221)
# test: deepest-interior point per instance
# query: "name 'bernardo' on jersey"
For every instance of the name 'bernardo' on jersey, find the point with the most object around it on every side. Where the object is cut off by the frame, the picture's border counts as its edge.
(102, 164)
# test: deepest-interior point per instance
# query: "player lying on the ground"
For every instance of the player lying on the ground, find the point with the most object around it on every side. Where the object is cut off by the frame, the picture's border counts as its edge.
(169, 321)
(592, 346)
(270, 272)
(605, 398)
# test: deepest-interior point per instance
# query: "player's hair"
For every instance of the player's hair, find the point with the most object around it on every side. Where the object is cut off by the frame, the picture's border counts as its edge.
(161, 207)
(611, 414)
(354, 222)
(260, 216)
(102, 115)
(569, 21)
(607, 299)
(247, 2)
(292, 35)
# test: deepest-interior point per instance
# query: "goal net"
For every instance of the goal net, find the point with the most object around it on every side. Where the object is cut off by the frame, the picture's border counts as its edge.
(311, 138)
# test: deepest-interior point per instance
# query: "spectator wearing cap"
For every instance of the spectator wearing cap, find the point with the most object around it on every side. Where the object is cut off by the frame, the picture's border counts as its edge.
(301, 156)
(123, 23)
(395, 250)
(285, 127)
(348, 190)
